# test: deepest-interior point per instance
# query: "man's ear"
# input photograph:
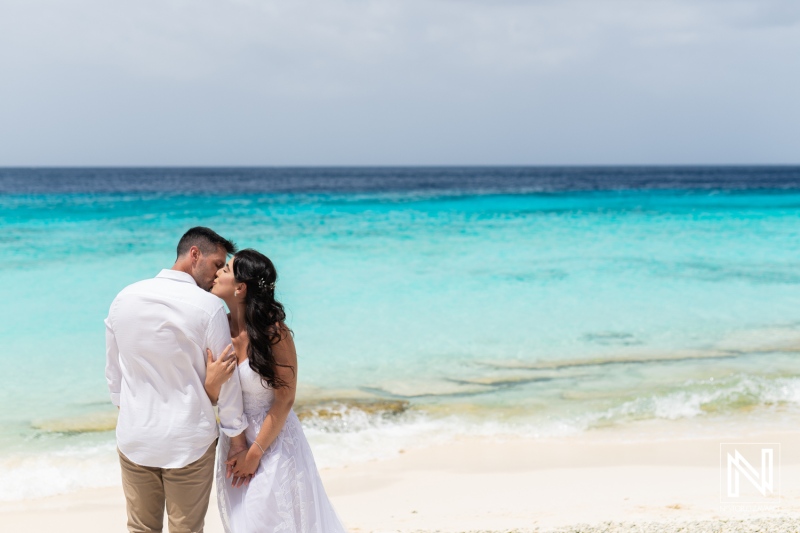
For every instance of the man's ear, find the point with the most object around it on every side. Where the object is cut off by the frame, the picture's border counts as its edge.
(194, 253)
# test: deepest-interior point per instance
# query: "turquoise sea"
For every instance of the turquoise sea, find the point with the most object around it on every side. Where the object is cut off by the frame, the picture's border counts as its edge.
(427, 304)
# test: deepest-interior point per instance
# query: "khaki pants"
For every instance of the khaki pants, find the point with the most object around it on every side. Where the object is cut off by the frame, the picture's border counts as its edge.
(185, 491)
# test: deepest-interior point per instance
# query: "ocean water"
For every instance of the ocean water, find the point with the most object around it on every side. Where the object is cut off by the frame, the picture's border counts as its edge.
(427, 303)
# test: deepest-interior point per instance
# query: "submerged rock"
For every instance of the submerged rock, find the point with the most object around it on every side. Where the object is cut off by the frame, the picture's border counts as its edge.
(338, 408)
(319, 409)
(88, 423)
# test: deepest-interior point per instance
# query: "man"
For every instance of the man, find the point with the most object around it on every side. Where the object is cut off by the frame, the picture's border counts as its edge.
(157, 333)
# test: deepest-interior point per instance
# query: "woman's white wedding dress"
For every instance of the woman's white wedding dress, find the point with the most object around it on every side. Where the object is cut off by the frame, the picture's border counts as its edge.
(286, 493)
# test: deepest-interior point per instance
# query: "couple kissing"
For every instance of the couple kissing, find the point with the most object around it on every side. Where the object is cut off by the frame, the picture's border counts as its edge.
(172, 353)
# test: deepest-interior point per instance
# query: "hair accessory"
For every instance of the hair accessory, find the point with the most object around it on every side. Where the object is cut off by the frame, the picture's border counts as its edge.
(262, 284)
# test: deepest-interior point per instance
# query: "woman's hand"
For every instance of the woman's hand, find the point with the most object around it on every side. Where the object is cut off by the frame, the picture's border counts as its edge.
(243, 466)
(219, 371)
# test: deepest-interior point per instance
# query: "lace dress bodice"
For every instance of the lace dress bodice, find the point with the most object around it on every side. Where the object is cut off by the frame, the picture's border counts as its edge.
(256, 396)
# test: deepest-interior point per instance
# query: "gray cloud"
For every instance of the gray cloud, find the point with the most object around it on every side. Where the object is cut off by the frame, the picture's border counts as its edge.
(391, 82)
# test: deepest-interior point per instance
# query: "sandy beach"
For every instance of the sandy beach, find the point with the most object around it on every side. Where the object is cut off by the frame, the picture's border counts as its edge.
(595, 482)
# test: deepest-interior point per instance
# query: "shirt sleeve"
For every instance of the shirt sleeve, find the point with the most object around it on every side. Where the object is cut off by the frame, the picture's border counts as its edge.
(113, 371)
(231, 412)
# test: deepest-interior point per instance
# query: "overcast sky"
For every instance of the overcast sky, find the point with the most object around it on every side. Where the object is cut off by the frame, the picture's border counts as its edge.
(408, 82)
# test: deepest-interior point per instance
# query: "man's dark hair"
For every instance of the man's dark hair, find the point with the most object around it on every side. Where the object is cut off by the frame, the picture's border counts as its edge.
(205, 239)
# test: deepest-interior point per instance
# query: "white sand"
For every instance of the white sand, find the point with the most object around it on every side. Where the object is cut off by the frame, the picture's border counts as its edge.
(490, 485)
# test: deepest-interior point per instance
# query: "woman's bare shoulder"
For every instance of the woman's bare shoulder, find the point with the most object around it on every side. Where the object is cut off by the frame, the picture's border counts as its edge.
(285, 345)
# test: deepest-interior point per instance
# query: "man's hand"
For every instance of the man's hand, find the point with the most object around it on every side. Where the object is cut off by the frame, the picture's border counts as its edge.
(244, 466)
(233, 466)
(237, 453)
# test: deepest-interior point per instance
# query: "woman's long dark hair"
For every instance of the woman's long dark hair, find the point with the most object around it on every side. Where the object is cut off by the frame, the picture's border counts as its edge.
(264, 315)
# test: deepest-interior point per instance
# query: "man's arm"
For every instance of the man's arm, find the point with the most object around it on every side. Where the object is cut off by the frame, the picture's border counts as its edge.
(113, 371)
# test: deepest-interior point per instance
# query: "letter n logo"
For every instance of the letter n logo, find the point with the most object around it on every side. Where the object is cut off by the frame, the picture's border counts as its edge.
(750, 473)
(739, 466)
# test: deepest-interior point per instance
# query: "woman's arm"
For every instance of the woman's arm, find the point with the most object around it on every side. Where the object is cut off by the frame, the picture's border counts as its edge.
(286, 370)
(218, 372)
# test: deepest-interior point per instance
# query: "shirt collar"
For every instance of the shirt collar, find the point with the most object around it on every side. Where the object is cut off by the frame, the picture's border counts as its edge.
(176, 275)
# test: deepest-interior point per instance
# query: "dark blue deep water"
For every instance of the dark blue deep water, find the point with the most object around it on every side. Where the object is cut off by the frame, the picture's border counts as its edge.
(399, 179)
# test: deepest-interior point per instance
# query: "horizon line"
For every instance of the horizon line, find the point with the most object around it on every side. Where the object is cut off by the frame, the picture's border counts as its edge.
(419, 166)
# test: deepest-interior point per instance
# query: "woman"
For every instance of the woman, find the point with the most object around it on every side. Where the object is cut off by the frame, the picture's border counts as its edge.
(286, 493)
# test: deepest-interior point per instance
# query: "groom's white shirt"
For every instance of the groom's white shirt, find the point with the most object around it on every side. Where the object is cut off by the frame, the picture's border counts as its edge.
(157, 332)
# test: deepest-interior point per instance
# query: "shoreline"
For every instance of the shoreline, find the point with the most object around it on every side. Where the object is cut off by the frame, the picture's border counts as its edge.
(487, 484)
